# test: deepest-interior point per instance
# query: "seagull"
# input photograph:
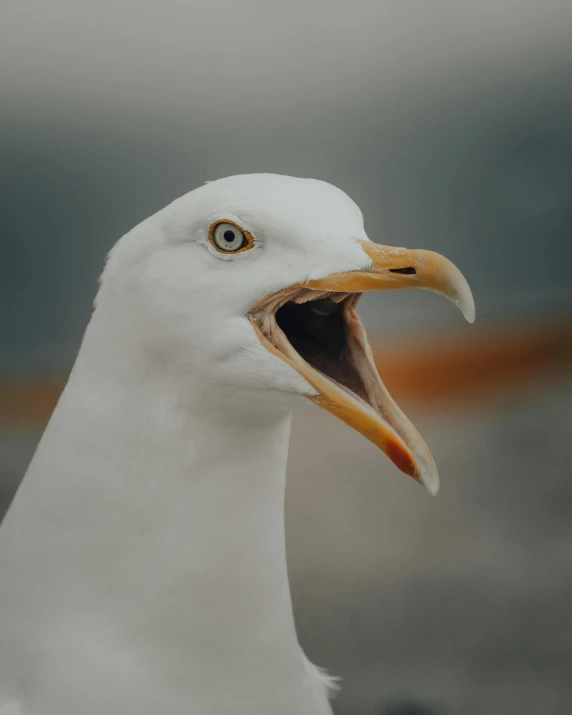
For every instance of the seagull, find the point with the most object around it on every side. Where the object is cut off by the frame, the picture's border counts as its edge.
(142, 561)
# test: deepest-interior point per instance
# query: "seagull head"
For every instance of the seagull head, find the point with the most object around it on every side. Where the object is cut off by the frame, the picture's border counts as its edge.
(251, 283)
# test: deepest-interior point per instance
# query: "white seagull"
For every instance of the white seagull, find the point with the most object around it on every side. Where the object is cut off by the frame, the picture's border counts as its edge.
(142, 562)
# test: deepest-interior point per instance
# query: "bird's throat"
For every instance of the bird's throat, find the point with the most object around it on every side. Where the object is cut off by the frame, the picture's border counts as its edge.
(154, 549)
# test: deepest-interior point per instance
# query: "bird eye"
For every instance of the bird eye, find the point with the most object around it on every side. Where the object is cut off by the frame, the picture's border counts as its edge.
(229, 238)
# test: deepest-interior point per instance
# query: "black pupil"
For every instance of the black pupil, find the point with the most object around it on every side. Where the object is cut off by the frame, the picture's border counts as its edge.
(228, 235)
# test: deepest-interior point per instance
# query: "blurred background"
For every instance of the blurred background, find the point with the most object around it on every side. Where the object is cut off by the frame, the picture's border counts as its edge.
(450, 124)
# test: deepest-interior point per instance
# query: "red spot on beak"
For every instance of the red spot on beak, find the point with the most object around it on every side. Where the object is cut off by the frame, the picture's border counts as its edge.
(402, 459)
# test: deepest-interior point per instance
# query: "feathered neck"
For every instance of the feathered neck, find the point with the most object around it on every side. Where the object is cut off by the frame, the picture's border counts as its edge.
(149, 543)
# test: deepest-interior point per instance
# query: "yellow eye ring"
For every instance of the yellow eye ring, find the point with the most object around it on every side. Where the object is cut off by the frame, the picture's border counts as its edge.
(228, 237)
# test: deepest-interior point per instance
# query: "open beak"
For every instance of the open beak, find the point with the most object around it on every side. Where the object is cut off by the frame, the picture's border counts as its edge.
(315, 328)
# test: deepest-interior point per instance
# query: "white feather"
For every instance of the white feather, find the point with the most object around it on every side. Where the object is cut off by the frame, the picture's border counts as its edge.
(11, 708)
(142, 563)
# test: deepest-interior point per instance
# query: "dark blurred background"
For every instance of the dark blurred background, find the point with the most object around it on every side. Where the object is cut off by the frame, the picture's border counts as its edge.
(450, 124)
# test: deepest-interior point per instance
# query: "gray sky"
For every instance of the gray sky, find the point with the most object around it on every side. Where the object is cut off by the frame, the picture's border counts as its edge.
(255, 60)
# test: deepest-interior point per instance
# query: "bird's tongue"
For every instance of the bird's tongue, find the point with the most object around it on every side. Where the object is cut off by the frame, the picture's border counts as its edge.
(379, 419)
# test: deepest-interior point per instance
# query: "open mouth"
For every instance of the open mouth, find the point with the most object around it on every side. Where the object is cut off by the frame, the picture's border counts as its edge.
(320, 334)
(315, 328)
(319, 330)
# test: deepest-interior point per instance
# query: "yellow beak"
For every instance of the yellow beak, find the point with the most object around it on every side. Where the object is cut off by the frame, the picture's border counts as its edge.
(360, 399)
(398, 268)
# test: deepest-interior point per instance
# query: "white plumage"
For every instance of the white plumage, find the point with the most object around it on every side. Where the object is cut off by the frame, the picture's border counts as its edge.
(142, 563)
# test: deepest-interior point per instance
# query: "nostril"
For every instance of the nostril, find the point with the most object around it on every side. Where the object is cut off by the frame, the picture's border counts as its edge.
(408, 271)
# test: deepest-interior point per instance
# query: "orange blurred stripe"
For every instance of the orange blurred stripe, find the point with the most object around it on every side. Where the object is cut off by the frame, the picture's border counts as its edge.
(434, 372)
(477, 366)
